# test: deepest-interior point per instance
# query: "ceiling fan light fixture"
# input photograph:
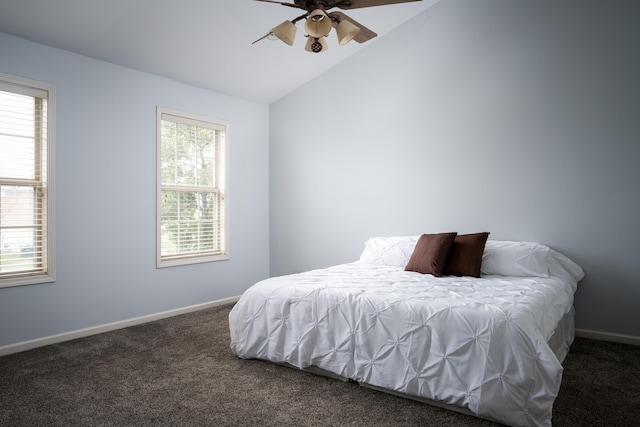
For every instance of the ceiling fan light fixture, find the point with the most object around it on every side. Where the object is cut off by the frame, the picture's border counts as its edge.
(316, 44)
(318, 24)
(346, 31)
(286, 32)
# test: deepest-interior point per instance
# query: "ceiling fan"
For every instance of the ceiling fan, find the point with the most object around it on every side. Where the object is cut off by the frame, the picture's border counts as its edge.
(319, 22)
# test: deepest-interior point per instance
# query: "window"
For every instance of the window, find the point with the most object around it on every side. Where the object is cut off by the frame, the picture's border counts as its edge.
(192, 225)
(26, 182)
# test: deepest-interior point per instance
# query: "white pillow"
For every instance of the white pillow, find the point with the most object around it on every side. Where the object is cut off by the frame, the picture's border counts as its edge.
(505, 258)
(393, 251)
(568, 265)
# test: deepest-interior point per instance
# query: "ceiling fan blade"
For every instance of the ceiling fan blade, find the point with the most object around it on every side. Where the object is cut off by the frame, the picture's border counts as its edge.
(355, 4)
(363, 35)
(297, 6)
(263, 37)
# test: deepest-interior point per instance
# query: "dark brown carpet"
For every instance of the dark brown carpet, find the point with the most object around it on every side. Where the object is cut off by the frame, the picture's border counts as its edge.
(181, 372)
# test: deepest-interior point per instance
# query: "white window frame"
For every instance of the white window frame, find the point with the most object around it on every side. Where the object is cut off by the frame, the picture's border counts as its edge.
(45, 273)
(222, 168)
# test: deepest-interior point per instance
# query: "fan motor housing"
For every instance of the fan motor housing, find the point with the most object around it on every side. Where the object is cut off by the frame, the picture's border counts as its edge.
(311, 5)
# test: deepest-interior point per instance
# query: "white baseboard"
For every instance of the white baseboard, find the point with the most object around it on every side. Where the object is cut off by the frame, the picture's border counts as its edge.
(80, 333)
(604, 336)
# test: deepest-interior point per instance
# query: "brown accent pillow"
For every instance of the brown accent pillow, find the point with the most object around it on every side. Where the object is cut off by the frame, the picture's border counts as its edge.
(465, 258)
(431, 253)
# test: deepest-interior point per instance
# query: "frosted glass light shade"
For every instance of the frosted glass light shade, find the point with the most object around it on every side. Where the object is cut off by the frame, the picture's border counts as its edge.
(316, 45)
(286, 32)
(346, 32)
(318, 24)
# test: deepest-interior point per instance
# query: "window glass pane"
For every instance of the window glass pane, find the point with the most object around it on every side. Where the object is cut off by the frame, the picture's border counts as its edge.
(205, 159)
(19, 218)
(16, 115)
(188, 222)
(170, 206)
(17, 136)
(208, 206)
(18, 206)
(19, 246)
(188, 155)
(184, 155)
(168, 153)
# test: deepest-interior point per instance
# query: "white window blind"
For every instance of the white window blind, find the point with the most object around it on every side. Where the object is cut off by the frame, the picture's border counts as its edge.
(192, 224)
(26, 193)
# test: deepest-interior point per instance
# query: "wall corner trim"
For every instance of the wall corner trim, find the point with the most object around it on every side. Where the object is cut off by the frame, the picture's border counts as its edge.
(94, 330)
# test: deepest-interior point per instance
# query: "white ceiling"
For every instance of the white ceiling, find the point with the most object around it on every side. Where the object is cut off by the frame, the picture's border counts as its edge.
(206, 43)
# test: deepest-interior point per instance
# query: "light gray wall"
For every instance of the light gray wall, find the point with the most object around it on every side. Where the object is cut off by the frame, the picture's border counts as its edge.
(516, 117)
(106, 195)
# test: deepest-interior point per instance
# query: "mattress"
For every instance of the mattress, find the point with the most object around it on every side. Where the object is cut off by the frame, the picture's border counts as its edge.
(478, 344)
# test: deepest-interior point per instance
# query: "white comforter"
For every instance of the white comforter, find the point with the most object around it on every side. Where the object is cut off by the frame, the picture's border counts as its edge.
(479, 344)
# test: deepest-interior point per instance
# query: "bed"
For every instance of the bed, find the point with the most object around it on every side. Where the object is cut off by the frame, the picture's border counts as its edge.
(489, 344)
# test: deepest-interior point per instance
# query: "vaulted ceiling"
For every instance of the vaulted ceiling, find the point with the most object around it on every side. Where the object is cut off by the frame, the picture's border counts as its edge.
(206, 43)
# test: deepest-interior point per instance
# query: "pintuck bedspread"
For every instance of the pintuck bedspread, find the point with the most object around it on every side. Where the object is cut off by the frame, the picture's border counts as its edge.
(474, 343)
